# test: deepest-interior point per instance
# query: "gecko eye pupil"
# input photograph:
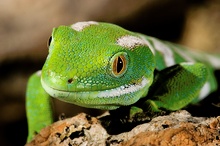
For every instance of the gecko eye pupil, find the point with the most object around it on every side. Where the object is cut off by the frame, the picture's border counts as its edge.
(119, 65)
(49, 41)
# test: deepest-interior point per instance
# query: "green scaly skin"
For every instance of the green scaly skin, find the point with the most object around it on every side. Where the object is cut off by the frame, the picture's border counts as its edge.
(103, 66)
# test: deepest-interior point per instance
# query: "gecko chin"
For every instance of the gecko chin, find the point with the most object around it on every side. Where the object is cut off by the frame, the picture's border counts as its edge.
(104, 99)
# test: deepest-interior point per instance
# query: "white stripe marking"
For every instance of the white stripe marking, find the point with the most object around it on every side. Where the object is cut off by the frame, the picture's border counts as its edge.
(79, 26)
(214, 61)
(38, 73)
(148, 44)
(131, 42)
(125, 89)
(204, 91)
(165, 50)
(183, 54)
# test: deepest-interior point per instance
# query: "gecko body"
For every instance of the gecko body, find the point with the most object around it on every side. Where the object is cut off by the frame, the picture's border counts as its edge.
(103, 66)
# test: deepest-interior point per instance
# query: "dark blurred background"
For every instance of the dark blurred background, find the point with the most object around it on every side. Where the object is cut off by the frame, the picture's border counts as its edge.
(25, 26)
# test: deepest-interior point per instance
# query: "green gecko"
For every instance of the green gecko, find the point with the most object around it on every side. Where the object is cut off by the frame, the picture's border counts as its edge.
(103, 66)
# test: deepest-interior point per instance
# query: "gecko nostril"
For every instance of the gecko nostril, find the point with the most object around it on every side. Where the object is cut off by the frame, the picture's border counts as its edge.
(70, 81)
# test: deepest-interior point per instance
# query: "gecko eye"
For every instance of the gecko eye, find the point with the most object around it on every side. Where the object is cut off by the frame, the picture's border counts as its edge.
(49, 41)
(119, 64)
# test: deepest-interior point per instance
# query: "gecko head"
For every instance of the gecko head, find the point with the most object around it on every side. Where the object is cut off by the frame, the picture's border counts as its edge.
(97, 65)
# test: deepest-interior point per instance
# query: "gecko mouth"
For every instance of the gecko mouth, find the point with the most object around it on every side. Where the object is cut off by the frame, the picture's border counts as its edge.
(95, 98)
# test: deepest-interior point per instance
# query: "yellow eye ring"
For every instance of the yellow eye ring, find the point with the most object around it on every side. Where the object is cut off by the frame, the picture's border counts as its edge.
(119, 64)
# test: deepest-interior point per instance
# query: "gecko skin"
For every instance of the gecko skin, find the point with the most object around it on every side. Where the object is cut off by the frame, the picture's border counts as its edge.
(103, 66)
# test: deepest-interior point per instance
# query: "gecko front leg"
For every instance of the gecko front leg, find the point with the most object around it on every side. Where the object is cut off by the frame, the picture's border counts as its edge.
(176, 86)
(38, 105)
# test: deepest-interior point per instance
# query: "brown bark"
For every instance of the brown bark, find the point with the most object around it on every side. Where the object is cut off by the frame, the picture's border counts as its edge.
(178, 128)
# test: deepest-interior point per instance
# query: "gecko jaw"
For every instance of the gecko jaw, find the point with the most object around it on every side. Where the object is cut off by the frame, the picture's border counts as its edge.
(99, 99)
